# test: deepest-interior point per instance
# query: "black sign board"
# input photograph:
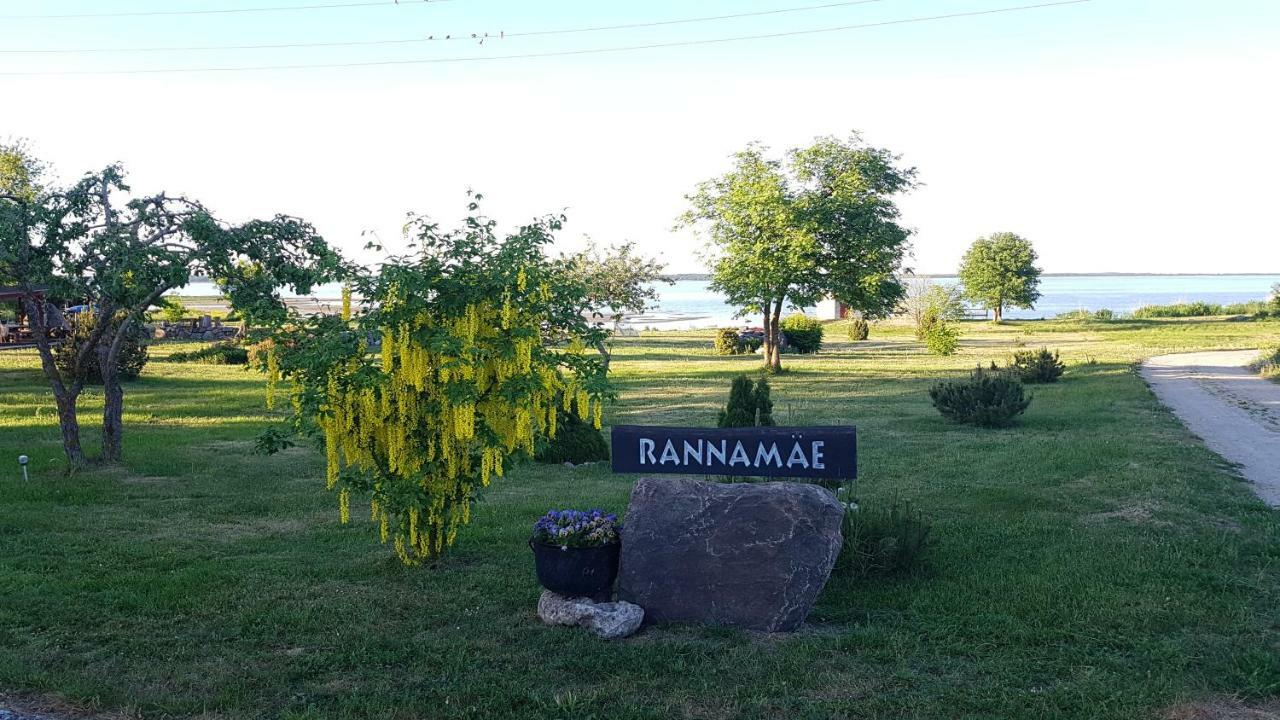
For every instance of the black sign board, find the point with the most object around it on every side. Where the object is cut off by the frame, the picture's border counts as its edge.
(829, 453)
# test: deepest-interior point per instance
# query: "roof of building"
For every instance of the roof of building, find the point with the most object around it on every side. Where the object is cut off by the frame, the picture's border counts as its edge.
(13, 292)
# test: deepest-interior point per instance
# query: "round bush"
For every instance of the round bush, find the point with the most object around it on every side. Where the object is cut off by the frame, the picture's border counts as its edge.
(803, 333)
(575, 442)
(129, 363)
(728, 342)
(941, 339)
(988, 398)
(1038, 366)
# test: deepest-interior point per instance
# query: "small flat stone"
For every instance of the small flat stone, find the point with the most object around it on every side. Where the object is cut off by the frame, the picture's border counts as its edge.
(610, 621)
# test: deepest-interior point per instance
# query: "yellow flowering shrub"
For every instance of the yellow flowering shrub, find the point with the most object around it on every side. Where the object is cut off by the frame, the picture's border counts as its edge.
(479, 344)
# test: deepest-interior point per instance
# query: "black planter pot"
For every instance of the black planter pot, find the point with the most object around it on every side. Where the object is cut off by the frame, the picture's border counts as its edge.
(576, 572)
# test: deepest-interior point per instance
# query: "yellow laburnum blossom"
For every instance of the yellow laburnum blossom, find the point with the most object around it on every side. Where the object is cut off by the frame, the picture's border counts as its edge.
(434, 424)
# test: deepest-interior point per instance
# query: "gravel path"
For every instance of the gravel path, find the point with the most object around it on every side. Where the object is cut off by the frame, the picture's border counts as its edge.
(1234, 411)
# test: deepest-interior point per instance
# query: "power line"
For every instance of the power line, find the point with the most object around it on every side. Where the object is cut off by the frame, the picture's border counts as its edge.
(216, 11)
(560, 53)
(495, 35)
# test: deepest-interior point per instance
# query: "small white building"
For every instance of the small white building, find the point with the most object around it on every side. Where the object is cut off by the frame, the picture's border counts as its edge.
(830, 309)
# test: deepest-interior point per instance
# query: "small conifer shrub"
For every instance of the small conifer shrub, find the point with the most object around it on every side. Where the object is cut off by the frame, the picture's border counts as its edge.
(1038, 366)
(749, 405)
(859, 330)
(764, 404)
(987, 398)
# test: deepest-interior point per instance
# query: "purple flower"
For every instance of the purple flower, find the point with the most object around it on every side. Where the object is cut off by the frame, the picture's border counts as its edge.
(577, 528)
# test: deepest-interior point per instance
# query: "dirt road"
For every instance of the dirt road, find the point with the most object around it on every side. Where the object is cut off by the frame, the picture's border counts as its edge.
(1234, 411)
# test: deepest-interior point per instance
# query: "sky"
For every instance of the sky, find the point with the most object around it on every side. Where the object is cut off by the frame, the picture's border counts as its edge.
(1117, 135)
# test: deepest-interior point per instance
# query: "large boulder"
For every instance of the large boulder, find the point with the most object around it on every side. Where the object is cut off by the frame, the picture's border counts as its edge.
(746, 555)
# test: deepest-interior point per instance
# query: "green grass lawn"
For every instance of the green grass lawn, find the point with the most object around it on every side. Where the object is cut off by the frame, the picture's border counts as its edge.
(1095, 561)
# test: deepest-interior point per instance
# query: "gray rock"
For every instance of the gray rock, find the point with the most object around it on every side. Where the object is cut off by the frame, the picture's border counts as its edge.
(610, 621)
(745, 555)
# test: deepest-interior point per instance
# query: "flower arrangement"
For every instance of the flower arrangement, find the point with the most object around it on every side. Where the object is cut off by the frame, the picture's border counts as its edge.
(577, 529)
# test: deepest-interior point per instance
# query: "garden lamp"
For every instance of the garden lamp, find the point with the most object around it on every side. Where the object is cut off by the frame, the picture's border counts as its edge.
(22, 460)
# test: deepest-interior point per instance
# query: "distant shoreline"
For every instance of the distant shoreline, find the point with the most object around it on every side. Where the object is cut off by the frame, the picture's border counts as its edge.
(705, 277)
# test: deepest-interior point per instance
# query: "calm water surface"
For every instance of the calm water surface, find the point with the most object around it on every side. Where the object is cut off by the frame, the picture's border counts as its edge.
(692, 304)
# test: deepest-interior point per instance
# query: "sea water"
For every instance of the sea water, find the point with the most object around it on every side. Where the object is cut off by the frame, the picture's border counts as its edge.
(693, 304)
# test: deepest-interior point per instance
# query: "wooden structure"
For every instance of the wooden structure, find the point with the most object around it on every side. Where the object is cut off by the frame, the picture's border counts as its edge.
(19, 331)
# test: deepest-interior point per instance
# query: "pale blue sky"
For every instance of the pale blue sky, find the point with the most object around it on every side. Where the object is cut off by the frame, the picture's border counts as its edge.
(1118, 134)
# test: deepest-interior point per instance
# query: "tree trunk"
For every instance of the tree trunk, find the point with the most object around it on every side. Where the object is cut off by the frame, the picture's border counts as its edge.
(606, 356)
(66, 396)
(769, 339)
(112, 419)
(775, 362)
(69, 423)
(113, 394)
(997, 313)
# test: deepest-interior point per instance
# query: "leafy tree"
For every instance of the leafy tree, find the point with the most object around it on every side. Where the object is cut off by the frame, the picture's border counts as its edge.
(22, 174)
(1000, 271)
(821, 221)
(618, 280)
(120, 253)
(483, 343)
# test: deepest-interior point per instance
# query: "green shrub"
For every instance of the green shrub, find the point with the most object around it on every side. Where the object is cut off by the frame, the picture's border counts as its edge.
(129, 363)
(1268, 364)
(988, 398)
(928, 303)
(1038, 366)
(803, 333)
(728, 342)
(731, 342)
(172, 309)
(1102, 315)
(942, 339)
(1260, 309)
(882, 540)
(859, 330)
(1178, 310)
(575, 442)
(749, 405)
(224, 353)
(1253, 307)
